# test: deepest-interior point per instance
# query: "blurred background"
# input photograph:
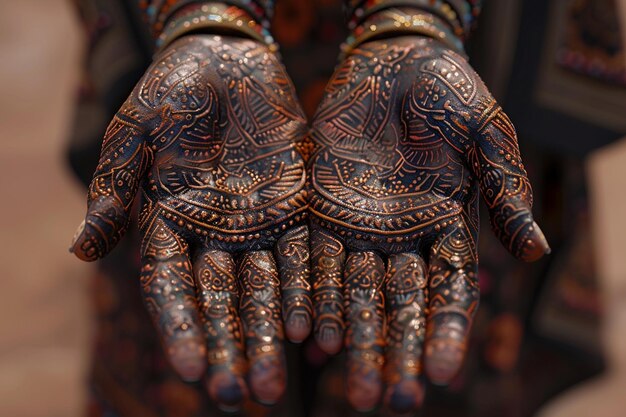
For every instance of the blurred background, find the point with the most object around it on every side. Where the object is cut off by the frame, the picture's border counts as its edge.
(549, 338)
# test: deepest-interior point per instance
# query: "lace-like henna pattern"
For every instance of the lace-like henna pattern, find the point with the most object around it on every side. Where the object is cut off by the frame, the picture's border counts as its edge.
(405, 134)
(209, 137)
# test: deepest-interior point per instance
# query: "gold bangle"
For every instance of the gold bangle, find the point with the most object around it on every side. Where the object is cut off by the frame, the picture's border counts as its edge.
(229, 18)
(398, 22)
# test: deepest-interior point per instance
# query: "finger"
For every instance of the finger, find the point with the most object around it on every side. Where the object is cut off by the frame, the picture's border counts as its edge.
(218, 297)
(454, 296)
(363, 281)
(123, 161)
(263, 329)
(406, 295)
(292, 257)
(328, 257)
(504, 184)
(169, 294)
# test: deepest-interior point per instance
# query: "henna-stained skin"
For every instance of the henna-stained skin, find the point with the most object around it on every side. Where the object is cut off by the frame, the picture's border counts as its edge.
(363, 298)
(209, 137)
(328, 256)
(406, 295)
(406, 135)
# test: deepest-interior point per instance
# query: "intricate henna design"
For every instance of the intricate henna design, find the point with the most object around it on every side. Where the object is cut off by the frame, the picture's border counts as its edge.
(405, 133)
(363, 298)
(406, 294)
(169, 293)
(210, 137)
(260, 314)
(454, 295)
(292, 257)
(328, 256)
(218, 295)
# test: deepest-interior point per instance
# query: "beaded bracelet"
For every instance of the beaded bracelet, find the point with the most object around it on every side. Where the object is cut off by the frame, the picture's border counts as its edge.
(459, 14)
(399, 21)
(159, 12)
(217, 16)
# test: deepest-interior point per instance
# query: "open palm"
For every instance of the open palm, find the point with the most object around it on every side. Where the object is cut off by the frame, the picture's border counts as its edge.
(209, 138)
(406, 134)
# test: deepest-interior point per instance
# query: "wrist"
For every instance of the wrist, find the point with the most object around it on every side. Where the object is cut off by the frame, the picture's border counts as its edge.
(403, 21)
(459, 14)
(216, 18)
(171, 19)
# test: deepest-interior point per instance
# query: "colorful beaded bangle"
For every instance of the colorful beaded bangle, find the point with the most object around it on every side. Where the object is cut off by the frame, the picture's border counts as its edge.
(399, 21)
(459, 14)
(439, 7)
(158, 12)
(219, 17)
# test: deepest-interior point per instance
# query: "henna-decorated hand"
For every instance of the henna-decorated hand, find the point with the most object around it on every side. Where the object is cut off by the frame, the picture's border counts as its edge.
(407, 132)
(209, 136)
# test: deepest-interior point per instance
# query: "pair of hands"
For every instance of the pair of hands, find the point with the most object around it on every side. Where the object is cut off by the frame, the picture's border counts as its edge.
(213, 138)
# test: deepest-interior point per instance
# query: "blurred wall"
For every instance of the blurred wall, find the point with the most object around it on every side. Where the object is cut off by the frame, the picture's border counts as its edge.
(43, 325)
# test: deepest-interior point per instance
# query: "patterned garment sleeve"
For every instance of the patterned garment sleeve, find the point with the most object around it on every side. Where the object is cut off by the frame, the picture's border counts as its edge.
(170, 19)
(460, 15)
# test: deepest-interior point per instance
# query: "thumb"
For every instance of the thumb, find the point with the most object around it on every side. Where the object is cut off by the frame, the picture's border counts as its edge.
(104, 225)
(112, 191)
(504, 184)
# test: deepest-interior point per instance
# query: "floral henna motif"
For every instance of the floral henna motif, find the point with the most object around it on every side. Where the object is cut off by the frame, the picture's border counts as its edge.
(406, 136)
(210, 139)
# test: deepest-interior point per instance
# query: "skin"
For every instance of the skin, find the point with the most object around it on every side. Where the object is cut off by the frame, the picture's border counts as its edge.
(209, 139)
(407, 137)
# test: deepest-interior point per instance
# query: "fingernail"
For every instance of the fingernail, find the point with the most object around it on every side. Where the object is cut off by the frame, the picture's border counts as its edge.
(77, 233)
(536, 244)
